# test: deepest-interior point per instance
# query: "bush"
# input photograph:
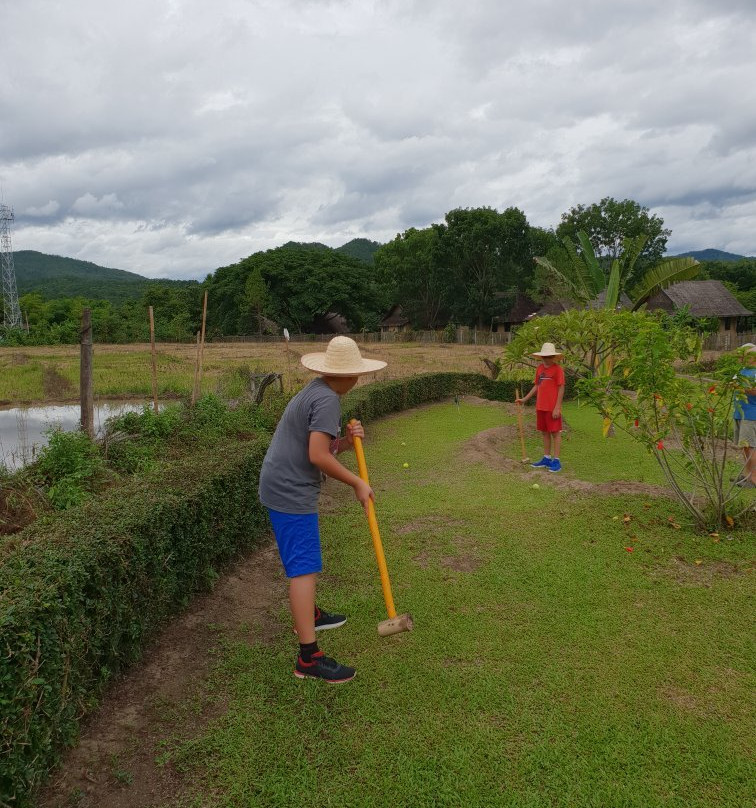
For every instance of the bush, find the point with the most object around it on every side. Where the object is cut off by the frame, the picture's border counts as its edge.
(80, 595)
(68, 465)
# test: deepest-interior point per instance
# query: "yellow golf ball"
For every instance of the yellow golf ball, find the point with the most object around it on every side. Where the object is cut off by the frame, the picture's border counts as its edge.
(535, 485)
(406, 465)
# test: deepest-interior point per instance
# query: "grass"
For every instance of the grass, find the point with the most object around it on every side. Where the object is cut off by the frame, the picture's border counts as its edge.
(549, 666)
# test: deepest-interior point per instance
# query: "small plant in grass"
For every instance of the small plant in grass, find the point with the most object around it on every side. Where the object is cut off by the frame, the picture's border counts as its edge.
(69, 465)
(685, 423)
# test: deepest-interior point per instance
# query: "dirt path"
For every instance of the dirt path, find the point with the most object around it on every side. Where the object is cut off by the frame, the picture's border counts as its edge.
(114, 764)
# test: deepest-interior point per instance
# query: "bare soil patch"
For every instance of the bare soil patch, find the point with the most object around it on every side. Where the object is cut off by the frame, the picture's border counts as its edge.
(54, 385)
(114, 763)
(700, 572)
(495, 447)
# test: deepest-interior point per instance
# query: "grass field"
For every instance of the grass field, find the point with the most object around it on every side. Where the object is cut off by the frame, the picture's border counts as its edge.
(571, 648)
(36, 375)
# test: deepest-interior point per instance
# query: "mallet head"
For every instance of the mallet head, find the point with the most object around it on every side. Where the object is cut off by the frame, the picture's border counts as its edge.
(395, 625)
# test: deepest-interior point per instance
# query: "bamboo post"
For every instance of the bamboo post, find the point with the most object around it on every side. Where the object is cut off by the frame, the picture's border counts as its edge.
(200, 352)
(202, 344)
(86, 389)
(196, 370)
(521, 428)
(154, 361)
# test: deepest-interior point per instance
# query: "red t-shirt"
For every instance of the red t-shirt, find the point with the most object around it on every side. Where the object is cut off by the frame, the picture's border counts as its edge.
(548, 380)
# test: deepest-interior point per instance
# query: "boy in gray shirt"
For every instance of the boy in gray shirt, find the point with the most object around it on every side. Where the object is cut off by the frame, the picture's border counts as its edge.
(302, 450)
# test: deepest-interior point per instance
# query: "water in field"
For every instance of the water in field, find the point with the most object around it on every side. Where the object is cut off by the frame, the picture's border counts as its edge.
(22, 429)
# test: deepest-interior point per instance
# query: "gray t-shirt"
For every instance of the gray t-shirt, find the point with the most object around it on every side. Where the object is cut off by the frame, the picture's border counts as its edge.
(289, 482)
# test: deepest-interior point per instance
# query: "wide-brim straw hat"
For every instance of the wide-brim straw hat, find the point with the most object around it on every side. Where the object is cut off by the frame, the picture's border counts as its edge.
(341, 358)
(547, 349)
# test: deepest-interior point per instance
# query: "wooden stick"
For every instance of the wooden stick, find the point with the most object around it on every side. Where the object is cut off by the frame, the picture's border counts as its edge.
(202, 344)
(154, 361)
(196, 370)
(85, 375)
(521, 428)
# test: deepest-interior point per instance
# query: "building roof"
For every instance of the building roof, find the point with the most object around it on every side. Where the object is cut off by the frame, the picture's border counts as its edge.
(703, 298)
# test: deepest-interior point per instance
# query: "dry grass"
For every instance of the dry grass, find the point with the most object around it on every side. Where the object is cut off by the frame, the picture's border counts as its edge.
(124, 370)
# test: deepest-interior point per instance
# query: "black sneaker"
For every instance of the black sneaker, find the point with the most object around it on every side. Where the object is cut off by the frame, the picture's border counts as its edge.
(323, 667)
(323, 620)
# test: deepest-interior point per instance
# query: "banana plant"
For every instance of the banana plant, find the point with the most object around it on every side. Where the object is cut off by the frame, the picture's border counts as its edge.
(583, 276)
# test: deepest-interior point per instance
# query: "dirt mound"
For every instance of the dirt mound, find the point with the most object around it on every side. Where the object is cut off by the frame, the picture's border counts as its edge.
(497, 449)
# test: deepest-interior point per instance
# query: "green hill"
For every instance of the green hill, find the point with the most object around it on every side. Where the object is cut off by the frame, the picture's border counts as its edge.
(53, 276)
(361, 248)
(710, 255)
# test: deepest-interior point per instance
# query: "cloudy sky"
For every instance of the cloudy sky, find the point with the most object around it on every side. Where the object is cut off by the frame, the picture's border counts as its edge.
(170, 137)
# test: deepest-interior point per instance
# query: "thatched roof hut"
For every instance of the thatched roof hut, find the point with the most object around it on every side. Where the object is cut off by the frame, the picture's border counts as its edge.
(703, 299)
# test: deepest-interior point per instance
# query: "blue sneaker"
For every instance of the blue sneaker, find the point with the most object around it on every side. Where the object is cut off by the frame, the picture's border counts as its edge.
(544, 462)
(555, 465)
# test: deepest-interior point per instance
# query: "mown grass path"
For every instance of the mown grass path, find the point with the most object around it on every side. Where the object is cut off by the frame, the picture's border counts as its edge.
(550, 664)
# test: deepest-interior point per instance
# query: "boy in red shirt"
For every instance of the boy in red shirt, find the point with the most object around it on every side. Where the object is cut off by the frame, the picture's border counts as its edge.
(549, 385)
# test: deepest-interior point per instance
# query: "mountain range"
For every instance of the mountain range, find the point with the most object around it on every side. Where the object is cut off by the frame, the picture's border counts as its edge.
(53, 276)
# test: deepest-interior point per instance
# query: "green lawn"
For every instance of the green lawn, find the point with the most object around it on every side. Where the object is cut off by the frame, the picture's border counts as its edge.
(550, 666)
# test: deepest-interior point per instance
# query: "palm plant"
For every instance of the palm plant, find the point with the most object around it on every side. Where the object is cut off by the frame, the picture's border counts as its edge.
(585, 278)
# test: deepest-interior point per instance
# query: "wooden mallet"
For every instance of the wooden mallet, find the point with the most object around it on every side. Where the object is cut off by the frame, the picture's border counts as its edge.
(395, 623)
(525, 458)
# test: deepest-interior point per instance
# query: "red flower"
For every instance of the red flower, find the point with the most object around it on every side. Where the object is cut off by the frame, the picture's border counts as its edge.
(636, 422)
(629, 549)
(713, 388)
(689, 406)
(660, 445)
(709, 409)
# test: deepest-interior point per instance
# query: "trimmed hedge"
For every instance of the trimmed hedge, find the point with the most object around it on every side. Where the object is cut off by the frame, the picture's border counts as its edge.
(80, 594)
(83, 591)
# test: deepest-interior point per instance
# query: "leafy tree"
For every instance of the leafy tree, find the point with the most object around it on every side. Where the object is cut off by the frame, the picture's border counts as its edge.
(485, 252)
(407, 269)
(609, 222)
(255, 298)
(301, 283)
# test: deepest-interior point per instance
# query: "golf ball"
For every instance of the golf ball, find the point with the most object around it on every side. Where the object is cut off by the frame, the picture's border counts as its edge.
(535, 485)
(406, 465)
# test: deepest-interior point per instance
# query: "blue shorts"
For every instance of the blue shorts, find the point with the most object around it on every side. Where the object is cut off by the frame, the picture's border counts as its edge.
(298, 539)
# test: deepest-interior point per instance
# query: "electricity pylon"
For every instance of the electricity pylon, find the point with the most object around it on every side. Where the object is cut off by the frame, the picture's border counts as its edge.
(11, 309)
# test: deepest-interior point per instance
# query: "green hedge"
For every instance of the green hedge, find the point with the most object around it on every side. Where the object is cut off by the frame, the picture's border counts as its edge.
(383, 398)
(82, 592)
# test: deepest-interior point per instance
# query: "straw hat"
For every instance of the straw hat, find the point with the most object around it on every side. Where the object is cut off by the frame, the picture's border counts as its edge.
(341, 358)
(547, 349)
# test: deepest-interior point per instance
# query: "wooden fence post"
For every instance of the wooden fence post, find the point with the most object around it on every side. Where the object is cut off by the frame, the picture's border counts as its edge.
(154, 361)
(85, 375)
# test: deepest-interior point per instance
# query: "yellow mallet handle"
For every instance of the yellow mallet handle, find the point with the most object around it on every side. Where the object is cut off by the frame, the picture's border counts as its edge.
(374, 532)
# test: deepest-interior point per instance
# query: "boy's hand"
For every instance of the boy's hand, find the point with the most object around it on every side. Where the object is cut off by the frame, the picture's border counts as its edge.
(364, 493)
(557, 412)
(355, 430)
(519, 401)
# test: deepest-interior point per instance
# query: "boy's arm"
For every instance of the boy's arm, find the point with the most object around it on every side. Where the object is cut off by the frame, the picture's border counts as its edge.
(558, 406)
(320, 455)
(529, 395)
(347, 442)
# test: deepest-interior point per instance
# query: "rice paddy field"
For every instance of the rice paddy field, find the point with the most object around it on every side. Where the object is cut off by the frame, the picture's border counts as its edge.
(46, 374)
